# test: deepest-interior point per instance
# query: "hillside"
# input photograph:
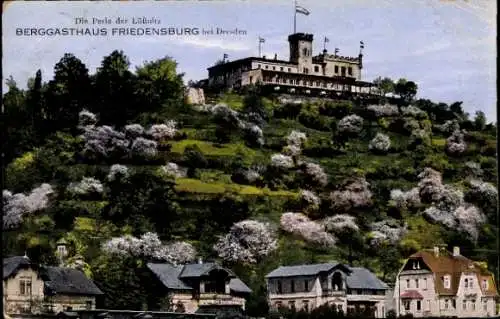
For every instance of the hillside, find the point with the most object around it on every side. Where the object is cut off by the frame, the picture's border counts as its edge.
(249, 181)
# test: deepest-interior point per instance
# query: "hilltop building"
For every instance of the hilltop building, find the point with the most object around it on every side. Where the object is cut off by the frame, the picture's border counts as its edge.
(33, 288)
(328, 75)
(350, 289)
(202, 287)
(438, 283)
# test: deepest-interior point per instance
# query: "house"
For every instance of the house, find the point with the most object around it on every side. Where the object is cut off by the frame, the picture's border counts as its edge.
(439, 283)
(305, 287)
(326, 75)
(32, 288)
(201, 287)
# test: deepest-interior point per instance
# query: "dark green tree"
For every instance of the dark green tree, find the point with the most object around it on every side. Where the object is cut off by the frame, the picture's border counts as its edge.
(407, 90)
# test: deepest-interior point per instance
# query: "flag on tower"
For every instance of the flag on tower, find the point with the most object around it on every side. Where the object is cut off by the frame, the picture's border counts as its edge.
(226, 56)
(336, 51)
(262, 40)
(362, 44)
(302, 10)
(327, 40)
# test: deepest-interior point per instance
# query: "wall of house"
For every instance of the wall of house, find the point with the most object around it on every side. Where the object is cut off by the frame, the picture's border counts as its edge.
(274, 66)
(300, 297)
(469, 299)
(191, 304)
(251, 77)
(62, 302)
(330, 68)
(428, 305)
(14, 302)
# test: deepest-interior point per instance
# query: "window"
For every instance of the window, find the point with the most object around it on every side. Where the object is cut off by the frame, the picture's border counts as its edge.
(306, 285)
(336, 69)
(306, 70)
(446, 304)
(339, 308)
(25, 287)
(88, 305)
(473, 304)
(292, 285)
(266, 67)
(485, 284)
(418, 264)
(471, 282)
(446, 282)
(425, 283)
(406, 304)
(466, 283)
(306, 305)
(61, 250)
(69, 308)
(291, 304)
(251, 79)
(278, 304)
(349, 70)
(453, 303)
(304, 52)
(359, 292)
(274, 68)
(280, 288)
(428, 305)
(416, 283)
(316, 68)
(408, 283)
(281, 68)
(258, 66)
(289, 70)
(418, 305)
(464, 305)
(485, 305)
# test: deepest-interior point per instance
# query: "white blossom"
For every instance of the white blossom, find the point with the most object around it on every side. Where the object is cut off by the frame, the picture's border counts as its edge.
(430, 185)
(383, 110)
(281, 161)
(86, 118)
(443, 217)
(102, 139)
(356, 194)
(296, 138)
(455, 144)
(292, 150)
(391, 229)
(473, 169)
(149, 246)
(413, 111)
(311, 231)
(340, 223)
(163, 131)
(174, 170)
(449, 126)
(310, 197)
(133, 131)
(405, 200)
(483, 192)
(247, 242)
(117, 171)
(470, 218)
(380, 142)
(350, 124)
(16, 206)
(87, 185)
(144, 147)
(228, 115)
(316, 173)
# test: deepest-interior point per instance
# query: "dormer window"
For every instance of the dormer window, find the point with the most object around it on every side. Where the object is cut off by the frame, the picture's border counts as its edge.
(418, 264)
(466, 283)
(446, 282)
(484, 284)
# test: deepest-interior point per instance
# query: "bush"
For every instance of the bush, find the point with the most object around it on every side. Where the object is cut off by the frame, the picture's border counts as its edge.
(337, 109)
(288, 111)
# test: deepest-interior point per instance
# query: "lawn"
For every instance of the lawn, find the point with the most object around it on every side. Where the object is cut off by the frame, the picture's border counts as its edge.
(190, 185)
(208, 148)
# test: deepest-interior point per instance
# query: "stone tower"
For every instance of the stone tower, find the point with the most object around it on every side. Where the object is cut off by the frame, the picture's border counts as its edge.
(301, 51)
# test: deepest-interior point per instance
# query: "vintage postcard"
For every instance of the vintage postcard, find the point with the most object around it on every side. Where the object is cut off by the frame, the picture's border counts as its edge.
(250, 159)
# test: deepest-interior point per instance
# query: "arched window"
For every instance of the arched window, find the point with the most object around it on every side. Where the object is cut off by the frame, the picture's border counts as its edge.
(304, 52)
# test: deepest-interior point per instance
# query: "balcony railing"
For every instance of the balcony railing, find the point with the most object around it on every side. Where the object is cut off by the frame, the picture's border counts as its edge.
(218, 296)
(331, 292)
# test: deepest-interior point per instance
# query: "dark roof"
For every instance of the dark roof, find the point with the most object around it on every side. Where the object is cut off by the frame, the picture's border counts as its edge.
(12, 264)
(356, 277)
(237, 285)
(362, 278)
(168, 275)
(61, 280)
(173, 277)
(198, 270)
(301, 270)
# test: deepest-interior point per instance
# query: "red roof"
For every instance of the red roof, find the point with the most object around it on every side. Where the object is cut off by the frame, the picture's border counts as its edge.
(411, 294)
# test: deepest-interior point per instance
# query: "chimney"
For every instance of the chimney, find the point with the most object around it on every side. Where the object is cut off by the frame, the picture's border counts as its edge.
(456, 251)
(200, 261)
(276, 56)
(264, 57)
(436, 251)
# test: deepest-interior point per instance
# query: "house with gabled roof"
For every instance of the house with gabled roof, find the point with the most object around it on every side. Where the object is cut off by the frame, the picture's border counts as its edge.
(32, 288)
(438, 283)
(201, 287)
(305, 287)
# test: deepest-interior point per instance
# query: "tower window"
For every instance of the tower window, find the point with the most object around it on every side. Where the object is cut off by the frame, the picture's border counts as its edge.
(336, 69)
(281, 68)
(349, 70)
(316, 68)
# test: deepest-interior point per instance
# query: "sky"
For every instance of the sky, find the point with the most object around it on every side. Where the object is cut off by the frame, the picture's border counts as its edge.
(448, 47)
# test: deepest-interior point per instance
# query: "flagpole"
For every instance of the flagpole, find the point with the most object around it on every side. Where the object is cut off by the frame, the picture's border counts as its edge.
(295, 17)
(260, 43)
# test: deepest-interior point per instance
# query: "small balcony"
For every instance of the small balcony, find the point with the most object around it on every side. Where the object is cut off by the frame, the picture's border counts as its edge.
(219, 296)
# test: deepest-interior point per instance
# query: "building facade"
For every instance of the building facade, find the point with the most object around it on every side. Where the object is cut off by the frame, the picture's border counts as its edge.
(32, 288)
(305, 287)
(200, 287)
(439, 283)
(324, 74)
